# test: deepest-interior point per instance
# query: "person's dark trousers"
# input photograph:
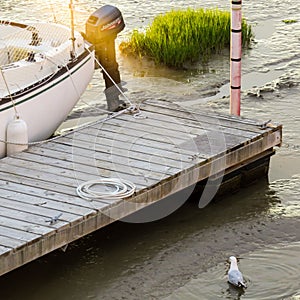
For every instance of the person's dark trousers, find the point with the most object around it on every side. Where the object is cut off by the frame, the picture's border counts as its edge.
(106, 55)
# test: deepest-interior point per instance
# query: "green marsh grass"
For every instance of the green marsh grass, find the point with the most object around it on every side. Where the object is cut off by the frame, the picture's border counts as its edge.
(184, 36)
(289, 21)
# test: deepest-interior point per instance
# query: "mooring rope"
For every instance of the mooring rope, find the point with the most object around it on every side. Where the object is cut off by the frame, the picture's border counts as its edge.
(111, 79)
(134, 110)
(120, 189)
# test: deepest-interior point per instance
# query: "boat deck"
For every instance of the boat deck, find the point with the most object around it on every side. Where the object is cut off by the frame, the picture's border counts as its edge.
(163, 150)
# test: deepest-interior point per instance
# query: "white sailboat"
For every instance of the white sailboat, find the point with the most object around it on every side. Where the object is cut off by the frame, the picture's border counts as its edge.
(45, 68)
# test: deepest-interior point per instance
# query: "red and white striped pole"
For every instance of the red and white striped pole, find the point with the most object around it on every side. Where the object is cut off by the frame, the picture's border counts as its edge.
(235, 57)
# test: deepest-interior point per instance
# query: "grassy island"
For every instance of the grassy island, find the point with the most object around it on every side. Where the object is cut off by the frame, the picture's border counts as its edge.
(184, 36)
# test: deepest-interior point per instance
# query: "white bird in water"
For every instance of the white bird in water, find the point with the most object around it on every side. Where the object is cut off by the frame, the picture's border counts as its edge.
(235, 277)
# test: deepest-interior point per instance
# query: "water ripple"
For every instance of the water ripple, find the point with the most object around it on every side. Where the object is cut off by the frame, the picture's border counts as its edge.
(271, 274)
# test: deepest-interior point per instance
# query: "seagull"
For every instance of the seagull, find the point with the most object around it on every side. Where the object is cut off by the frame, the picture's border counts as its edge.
(235, 277)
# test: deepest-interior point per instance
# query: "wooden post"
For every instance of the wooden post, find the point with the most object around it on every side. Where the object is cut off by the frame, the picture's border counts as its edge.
(235, 57)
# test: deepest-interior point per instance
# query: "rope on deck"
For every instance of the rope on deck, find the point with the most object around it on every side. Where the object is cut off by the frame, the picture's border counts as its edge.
(115, 189)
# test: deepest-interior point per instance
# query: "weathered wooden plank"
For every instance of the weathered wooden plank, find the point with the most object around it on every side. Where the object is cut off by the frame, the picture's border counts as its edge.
(18, 234)
(192, 126)
(63, 184)
(161, 124)
(211, 140)
(17, 174)
(136, 137)
(150, 126)
(205, 117)
(44, 202)
(10, 222)
(127, 131)
(78, 165)
(49, 188)
(209, 136)
(158, 104)
(213, 143)
(63, 149)
(118, 148)
(11, 242)
(84, 149)
(38, 210)
(116, 154)
(81, 156)
(47, 198)
(78, 173)
(44, 175)
(4, 250)
(31, 180)
(92, 165)
(79, 151)
(34, 219)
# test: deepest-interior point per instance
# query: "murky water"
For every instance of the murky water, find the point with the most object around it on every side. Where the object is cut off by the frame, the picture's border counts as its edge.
(184, 255)
(267, 266)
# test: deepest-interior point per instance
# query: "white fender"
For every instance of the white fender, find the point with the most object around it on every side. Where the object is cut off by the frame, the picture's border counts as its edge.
(16, 136)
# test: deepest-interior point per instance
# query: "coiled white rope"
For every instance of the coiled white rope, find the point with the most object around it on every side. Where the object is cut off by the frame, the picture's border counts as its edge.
(116, 189)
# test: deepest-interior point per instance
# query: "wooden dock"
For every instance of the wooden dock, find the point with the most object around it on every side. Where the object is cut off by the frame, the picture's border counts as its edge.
(162, 151)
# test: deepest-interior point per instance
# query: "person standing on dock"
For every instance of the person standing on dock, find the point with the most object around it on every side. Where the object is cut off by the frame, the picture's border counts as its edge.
(106, 55)
(102, 28)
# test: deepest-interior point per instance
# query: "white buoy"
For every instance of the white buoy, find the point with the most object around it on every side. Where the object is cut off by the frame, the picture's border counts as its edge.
(16, 136)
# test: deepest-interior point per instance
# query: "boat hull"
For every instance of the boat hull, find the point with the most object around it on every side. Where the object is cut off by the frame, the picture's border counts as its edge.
(45, 107)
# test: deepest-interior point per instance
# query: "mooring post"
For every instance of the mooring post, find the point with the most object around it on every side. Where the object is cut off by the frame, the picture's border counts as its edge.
(235, 57)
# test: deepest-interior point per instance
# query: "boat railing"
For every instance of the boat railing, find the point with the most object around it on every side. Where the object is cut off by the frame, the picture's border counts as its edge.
(19, 43)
